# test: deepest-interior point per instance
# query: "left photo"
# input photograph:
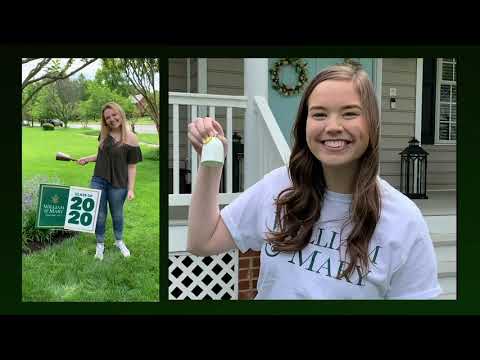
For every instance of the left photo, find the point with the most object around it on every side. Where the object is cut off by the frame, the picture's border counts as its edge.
(90, 179)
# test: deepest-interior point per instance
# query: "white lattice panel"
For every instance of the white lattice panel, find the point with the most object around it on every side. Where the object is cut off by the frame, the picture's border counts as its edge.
(194, 277)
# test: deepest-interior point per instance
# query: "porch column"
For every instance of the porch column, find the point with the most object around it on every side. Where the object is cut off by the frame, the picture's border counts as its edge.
(418, 112)
(378, 78)
(418, 101)
(255, 84)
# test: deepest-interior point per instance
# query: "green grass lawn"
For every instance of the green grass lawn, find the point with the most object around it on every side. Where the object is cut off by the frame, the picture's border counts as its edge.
(148, 138)
(68, 271)
(144, 121)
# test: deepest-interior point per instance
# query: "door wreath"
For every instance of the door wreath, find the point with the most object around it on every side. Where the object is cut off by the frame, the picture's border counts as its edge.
(300, 68)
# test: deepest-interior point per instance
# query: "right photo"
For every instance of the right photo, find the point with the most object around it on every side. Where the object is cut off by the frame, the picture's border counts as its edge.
(312, 178)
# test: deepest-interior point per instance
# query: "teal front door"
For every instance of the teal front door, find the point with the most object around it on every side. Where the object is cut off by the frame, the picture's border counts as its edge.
(285, 108)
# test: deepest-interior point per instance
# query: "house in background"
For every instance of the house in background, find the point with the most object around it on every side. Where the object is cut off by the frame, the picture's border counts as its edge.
(417, 99)
(140, 103)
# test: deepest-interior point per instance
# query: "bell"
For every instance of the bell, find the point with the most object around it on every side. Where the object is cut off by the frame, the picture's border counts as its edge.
(212, 152)
(63, 157)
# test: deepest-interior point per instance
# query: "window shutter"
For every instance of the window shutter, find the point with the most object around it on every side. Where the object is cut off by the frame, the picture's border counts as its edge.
(428, 100)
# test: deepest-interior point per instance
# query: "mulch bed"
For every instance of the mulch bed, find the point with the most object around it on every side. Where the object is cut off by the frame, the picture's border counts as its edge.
(56, 239)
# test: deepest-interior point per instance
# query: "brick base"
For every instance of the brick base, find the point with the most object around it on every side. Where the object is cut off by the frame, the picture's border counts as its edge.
(249, 266)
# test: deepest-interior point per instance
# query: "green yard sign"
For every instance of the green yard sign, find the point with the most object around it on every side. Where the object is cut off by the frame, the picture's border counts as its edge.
(52, 206)
(68, 207)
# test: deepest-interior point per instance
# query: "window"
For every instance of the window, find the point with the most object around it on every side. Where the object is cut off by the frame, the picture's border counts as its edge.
(446, 102)
(439, 101)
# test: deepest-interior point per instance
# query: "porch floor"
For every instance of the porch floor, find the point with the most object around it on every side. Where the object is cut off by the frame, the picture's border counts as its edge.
(438, 203)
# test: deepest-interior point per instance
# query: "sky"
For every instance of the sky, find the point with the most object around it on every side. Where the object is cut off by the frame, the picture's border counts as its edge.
(88, 71)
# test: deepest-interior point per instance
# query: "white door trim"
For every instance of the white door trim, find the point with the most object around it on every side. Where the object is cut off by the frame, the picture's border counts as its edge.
(378, 83)
(378, 92)
(418, 100)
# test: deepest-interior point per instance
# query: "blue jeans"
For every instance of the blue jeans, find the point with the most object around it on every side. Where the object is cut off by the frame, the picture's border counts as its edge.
(115, 198)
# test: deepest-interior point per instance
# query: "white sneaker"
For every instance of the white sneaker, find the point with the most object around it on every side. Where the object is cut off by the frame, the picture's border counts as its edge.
(123, 249)
(99, 251)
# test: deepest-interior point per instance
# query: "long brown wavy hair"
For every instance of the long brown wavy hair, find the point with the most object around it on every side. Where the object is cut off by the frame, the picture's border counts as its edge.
(298, 207)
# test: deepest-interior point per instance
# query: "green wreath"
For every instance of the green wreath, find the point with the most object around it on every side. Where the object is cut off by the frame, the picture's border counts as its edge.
(301, 70)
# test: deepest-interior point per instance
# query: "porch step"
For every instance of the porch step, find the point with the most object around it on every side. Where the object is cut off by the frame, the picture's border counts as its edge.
(446, 252)
(438, 203)
(447, 269)
(441, 224)
(449, 287)
(443, 239)
(450, 296)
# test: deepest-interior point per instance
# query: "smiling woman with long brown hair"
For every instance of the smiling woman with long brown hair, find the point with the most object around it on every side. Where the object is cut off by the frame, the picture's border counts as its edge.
(328, 226)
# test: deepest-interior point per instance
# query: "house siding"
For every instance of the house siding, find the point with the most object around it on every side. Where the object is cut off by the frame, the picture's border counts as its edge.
(225, 77)
(398, 127)
(441, 167)
(177, 82)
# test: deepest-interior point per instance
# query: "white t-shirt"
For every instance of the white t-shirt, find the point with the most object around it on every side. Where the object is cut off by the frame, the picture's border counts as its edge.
(402, 259)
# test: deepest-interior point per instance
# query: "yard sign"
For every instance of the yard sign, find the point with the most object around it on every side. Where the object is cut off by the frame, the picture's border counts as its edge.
(68, 207)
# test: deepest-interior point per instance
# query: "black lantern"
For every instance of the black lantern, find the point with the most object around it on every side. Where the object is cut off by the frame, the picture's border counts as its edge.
(237, 155)
(237, 165)
(413, 171)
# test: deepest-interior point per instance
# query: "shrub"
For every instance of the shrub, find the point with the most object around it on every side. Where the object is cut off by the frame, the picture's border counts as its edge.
(31, 188)
(48, 126)
(31, 234)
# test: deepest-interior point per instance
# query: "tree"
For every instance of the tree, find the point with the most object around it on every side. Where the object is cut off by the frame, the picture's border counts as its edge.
(27, 110)
(58, 100)
(82, 85)
(68, 94)
(52, 71)
(114, 80)
(141, 73)
(98, 95)
(40, 108)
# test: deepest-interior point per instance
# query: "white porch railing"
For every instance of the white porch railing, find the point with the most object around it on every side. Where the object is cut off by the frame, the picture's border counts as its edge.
(193, 102)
